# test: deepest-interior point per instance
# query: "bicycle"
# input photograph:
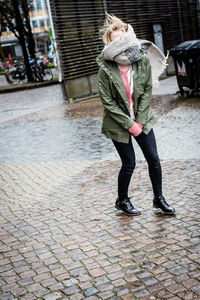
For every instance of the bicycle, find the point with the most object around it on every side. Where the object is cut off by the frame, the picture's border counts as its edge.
(36, 70)
(16, 74)
(45, 70)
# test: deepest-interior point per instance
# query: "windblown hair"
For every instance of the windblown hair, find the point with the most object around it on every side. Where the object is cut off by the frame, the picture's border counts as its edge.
(111, 24)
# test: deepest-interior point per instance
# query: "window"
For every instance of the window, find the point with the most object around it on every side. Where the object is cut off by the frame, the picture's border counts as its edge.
(30, 5)
(45, 4)
(38, 4)
(41, 22)
(34, 24)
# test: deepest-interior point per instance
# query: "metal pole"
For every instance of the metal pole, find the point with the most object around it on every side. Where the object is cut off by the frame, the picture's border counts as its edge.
(54, 40)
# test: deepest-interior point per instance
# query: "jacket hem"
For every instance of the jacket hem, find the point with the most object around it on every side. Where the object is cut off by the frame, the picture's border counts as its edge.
(117, 137)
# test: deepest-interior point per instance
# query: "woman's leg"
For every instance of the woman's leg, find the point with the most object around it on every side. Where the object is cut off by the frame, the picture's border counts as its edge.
(148, 146)
(127, 155)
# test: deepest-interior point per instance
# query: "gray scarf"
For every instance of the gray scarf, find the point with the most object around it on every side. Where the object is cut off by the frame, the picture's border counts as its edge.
(126, 50)
(123, 50)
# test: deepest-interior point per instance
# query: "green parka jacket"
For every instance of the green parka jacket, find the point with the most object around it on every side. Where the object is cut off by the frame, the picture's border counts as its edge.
(116, 118)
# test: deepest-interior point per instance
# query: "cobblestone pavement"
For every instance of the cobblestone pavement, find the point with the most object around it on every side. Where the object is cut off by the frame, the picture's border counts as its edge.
(60, 235)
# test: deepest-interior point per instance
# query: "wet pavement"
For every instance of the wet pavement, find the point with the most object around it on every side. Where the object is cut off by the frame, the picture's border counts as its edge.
(60, 235)
(39, 125)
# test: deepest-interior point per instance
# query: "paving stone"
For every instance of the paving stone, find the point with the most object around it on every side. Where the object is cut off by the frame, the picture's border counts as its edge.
(141, 293)
(18, 292)
(41, 277)
(176, 288)
(2, 282)
(113, 268)
(77, 272)
(90, 292)
(132, 269)
(178, 270)
(122, 292)
(105, 287)
(187, 295)
(62, 277)
(196, 289)
(114, 259)
(100, 280)
(149, 281)
(105, 249)
(119, 282)
(70, 282)
(97, 272)
(7, 296)
(189, 283)
(26, 281)
(53, 296)
(49, 282)
(27, 274)
(154, 287)
(71, 290)
(84, 278)
(144, 274)
(105, 295)
(85, 285)
(116, 275)
(28, 297)
(127, 297)
(182, 278)
(163, 294)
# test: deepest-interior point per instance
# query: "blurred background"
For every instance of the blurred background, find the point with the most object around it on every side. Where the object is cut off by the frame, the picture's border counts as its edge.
(64, 36)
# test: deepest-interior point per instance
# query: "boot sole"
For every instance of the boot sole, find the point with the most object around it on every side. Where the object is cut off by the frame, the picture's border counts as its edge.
(164, 212)
(128, 214)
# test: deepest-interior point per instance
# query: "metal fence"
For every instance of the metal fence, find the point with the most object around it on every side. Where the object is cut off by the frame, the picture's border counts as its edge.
(77, 24)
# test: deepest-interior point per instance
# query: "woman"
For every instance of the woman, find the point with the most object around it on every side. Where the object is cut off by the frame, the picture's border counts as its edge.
(125, 87)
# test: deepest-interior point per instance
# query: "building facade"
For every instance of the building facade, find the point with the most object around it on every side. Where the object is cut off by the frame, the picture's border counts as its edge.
(40, 24)
(39, 21)
(77, 24)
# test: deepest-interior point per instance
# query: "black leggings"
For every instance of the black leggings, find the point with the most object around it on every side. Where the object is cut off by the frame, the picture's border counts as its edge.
(126, 152)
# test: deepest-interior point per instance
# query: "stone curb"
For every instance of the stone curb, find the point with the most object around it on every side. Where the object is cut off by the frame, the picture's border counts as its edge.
(26, 86)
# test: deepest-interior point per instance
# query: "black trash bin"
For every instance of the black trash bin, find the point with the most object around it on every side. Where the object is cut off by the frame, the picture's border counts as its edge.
(187, 65)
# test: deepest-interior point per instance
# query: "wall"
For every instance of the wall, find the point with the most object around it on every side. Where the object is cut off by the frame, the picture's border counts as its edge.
(77, 25)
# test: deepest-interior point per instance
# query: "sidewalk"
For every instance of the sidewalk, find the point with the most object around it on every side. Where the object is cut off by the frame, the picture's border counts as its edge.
(166, 86)
(62, 238)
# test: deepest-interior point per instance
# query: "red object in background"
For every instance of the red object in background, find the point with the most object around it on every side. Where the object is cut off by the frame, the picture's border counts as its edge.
(10, 59)
(46, 61)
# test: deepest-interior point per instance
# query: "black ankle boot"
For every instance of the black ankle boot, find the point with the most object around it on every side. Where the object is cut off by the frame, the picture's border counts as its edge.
(159, 202)
(126, 206)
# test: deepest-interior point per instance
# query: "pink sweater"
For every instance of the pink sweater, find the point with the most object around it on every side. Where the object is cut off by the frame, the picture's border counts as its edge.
(136, 129)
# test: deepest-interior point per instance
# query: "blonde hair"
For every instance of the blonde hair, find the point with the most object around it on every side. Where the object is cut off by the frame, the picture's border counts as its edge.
(111, 24)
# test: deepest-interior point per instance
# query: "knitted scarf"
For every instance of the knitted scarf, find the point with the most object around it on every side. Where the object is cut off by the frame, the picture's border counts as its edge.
(125, 50)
